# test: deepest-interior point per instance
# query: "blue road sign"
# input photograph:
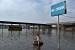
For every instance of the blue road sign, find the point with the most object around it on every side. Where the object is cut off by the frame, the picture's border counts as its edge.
(58, 9)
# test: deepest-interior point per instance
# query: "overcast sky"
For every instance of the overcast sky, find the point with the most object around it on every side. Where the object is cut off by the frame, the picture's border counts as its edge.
(33, 11)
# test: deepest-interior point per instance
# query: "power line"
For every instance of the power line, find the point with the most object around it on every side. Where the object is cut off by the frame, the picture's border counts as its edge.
(69, 16)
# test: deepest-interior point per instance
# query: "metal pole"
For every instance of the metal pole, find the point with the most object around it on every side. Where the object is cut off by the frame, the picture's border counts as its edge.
(26, 29)
(33, 29)
(2, 30)
(19, 31)
(58, 34)
(11, 31)
(39, 28)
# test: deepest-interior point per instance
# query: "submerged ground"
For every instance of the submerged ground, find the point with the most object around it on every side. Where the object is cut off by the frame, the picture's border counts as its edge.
(23, 40)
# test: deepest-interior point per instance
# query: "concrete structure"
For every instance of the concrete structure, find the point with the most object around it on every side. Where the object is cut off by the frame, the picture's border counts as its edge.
(27, 26)
(65, 25)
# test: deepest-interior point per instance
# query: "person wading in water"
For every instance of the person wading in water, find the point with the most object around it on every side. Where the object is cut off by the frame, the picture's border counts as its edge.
(37, 39)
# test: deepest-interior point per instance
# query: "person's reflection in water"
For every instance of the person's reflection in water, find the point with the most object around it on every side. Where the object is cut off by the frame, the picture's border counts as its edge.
(37, 47)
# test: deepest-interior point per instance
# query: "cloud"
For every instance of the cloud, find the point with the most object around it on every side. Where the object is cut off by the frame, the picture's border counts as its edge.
(56, 1)
(25, 10)
(37, 11)
(13, 9)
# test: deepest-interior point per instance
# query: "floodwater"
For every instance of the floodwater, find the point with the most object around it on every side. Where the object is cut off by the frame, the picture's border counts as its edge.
(23, 40)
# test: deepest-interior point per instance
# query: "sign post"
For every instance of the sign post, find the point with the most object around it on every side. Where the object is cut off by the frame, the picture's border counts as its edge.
(58, 34)
(56, 10)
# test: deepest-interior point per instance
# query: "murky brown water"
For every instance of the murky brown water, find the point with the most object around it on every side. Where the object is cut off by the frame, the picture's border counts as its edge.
(23, 41)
